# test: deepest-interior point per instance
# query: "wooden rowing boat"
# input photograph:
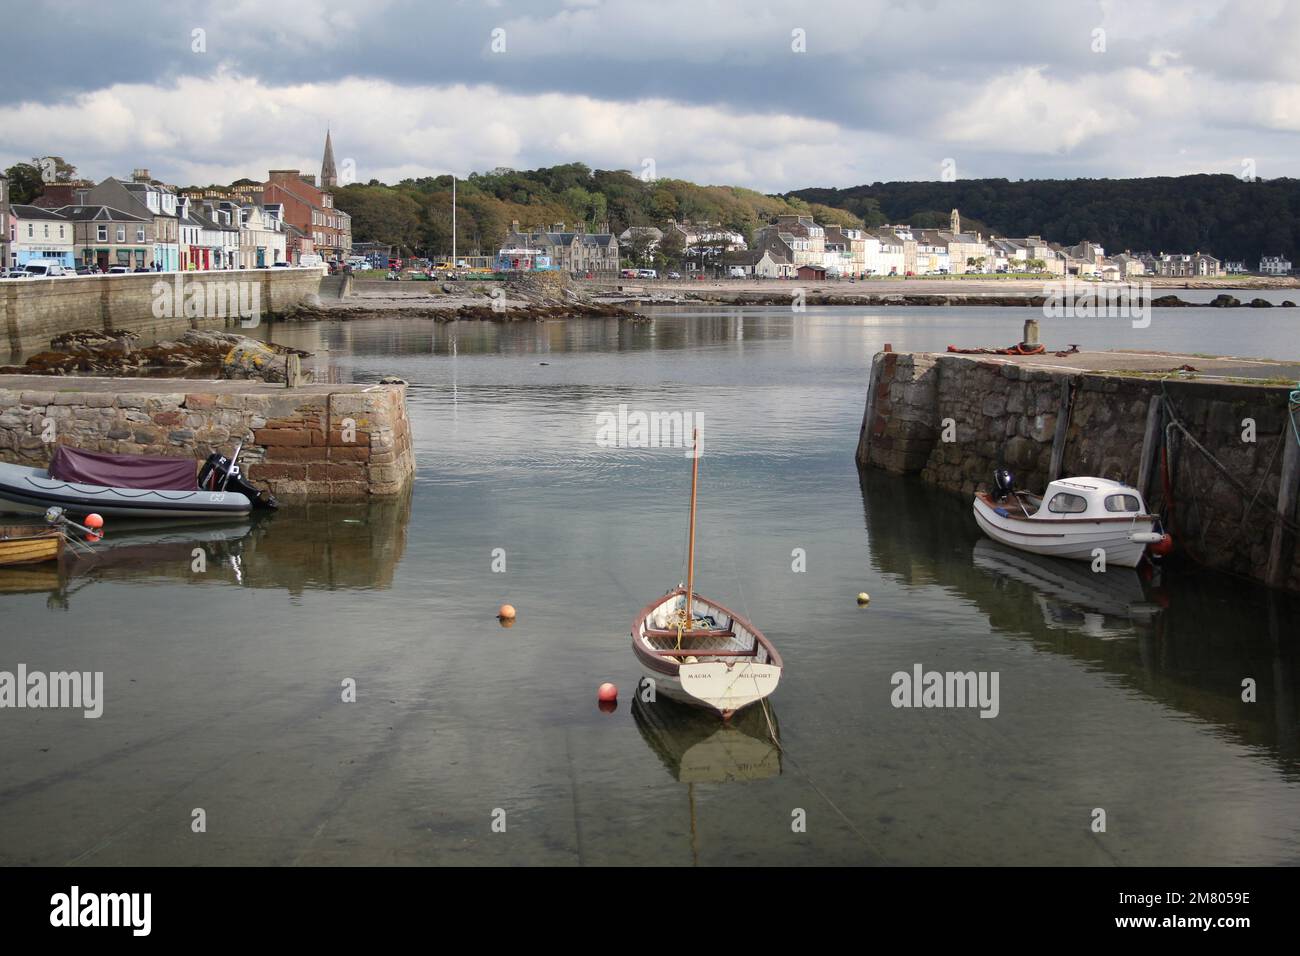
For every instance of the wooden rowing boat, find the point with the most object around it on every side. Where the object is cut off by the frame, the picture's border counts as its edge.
(697, 650)
(29, 544)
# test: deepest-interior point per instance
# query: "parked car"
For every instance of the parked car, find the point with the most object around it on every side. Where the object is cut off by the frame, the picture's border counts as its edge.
(647, 274)
(674, 275)
(118, 270)
(283, 265)
(736, 272)
(628, 274)
(46, 270)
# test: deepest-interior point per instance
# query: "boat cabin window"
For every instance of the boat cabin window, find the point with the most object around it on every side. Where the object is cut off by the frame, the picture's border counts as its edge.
(1066, 503)
(1122, 503)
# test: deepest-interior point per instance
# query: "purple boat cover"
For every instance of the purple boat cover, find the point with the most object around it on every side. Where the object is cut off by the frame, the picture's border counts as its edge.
(123, 471)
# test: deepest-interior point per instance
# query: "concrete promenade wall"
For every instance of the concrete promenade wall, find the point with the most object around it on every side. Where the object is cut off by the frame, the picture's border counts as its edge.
(312, 443)
(953, 419)
(33, 311)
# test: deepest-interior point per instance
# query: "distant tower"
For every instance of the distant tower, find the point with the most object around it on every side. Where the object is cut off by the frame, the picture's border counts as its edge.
(954, 220)
(329, 176)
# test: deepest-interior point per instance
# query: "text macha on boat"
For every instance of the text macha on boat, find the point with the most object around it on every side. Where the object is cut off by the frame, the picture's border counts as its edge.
(710, 657)
(1075, 518)
(131, 486)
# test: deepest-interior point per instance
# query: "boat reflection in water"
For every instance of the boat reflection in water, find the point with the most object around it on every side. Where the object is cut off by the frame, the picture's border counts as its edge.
(696, 747)
(330, 547)
(1106, 605)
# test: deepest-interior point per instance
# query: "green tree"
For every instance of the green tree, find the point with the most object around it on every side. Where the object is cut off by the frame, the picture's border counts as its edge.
(25, 182)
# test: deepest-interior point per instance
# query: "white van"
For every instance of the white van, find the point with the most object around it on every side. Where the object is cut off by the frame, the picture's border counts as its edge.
(46, 269)
(736, 272)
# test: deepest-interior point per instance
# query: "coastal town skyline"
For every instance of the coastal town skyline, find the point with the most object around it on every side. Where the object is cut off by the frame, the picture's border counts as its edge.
(1095, 90)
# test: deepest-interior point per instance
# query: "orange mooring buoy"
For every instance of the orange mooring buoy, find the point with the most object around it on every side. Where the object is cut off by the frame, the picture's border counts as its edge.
(94, 521)
(1163, 546)
(506, 612)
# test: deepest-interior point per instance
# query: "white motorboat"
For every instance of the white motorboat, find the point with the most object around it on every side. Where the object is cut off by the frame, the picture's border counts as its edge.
(1075, 518)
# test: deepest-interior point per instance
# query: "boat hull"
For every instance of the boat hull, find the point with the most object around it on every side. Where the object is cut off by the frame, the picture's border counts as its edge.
(32, 491)
(1124, 541)
(29, 545)
(723, 670)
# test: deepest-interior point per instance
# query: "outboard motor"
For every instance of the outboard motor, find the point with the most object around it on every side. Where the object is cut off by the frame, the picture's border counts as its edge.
(1004, 485)
(220, 473)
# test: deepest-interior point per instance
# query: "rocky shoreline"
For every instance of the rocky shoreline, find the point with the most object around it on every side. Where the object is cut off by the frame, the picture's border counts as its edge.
(528, 312)
(196, 354)
(926, 299)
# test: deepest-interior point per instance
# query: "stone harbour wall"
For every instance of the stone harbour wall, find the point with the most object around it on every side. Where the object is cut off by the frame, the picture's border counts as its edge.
(953, 419)
(33, 311)
(311, 443)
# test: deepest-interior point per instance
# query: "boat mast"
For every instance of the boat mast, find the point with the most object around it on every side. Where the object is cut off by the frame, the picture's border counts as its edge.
(690, 548)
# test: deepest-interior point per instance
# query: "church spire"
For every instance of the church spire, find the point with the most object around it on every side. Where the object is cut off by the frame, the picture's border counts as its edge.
(328, 174)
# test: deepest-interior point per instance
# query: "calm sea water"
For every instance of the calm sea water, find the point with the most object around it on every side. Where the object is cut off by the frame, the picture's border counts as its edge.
(224, 686)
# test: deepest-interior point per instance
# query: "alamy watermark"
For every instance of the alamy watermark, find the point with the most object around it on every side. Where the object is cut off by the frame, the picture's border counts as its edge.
(211, 298)
(922, 688)
(632, 428)
(57, 689)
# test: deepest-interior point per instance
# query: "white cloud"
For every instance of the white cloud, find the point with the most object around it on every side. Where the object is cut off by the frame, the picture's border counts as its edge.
(245, 127)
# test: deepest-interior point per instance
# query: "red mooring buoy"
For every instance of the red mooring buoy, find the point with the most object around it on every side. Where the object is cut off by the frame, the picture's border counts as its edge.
(607, 694)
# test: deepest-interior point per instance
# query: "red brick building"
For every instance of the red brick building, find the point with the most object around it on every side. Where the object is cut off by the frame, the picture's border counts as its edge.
(311, 211)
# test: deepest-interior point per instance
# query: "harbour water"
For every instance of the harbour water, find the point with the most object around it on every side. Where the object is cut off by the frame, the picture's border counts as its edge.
(224, 688)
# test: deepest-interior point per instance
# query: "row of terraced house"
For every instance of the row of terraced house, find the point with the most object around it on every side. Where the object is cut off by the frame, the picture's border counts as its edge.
(797, 245)
(144, 224)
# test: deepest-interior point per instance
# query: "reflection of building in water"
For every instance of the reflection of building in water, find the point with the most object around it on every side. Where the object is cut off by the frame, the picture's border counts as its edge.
(697, 747)
(1189, 650)
(322, 546)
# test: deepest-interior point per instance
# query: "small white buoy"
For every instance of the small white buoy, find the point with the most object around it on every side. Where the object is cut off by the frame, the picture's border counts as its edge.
(863, 599)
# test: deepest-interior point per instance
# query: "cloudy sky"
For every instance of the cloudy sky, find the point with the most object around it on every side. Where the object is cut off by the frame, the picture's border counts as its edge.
(762, 93)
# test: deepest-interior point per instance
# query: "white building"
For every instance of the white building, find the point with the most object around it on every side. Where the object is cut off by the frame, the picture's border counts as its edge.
(218, 235)
(1275, 265)
(42, 234)
(261, 236)
(883, 255)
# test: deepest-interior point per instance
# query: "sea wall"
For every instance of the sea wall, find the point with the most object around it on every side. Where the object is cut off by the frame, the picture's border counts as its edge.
(310, 443)
(33, 311)
(953, 419)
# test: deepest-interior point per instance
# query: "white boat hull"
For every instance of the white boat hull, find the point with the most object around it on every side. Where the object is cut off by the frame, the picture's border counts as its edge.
(1122, 542)
(724, 673)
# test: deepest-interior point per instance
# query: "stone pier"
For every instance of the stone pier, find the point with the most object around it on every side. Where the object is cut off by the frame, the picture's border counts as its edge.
(33, 311)
(311, 443)
(952, 419)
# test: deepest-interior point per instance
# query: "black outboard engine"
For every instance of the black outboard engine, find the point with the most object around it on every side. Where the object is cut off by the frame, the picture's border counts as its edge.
(1004, 485)
(220, 473)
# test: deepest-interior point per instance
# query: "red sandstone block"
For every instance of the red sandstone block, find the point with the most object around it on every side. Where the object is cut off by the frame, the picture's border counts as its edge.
(291, 453)
(281, 436)
(360, 438)
(350, 453)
